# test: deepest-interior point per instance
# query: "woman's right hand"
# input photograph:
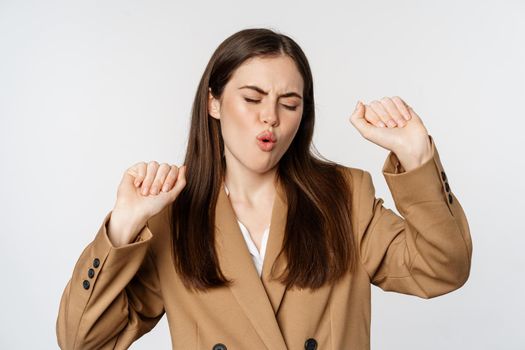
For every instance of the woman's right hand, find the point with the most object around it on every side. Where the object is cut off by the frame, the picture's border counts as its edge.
(145, 189)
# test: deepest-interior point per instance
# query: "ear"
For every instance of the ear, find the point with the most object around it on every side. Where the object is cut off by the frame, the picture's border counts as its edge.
(214, 106)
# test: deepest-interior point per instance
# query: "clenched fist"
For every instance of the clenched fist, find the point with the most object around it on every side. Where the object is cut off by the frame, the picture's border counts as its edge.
(392, 124)
(145, 189)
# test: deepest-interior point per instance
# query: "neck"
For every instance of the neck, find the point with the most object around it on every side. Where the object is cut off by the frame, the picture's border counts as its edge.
(245, 186)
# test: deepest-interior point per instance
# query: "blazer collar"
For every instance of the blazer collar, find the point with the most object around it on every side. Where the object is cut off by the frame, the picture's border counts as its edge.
(259, 297)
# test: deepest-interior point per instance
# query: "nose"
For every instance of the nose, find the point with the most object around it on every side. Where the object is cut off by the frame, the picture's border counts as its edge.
(270, 117)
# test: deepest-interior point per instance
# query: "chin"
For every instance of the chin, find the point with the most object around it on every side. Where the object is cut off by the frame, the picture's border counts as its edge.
(260, 167)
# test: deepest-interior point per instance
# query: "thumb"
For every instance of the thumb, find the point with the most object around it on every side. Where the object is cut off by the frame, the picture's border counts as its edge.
(181, 181)
(358, 118)
(130, 176)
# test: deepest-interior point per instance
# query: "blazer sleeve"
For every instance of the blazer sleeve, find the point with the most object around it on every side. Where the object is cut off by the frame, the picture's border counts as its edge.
(113, 296)
(427, 251)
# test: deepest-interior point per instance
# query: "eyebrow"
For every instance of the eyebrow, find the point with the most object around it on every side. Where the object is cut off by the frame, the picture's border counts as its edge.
(259, 90)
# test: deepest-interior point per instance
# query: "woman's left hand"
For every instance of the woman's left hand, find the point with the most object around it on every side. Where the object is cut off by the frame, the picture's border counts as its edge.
(392, 124)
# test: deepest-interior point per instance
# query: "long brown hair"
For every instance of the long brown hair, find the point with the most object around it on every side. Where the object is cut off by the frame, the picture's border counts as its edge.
(318, 240)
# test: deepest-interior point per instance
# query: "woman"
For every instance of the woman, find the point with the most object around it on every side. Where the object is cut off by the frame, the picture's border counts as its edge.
(254, 243)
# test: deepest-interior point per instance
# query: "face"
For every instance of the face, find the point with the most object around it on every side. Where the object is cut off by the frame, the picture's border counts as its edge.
(262, 94)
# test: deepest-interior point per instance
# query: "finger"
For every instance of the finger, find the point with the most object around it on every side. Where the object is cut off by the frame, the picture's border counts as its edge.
(170, 178)
(413, 113)
(391, 108)
(180, 182)
(141, 173)
(401, 106)
(134, 171)
(151, 172)
(358, 119)
(383, 114)
(372, 117)
(162, 172)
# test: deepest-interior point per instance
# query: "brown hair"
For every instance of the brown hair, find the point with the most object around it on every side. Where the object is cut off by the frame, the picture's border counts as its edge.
(318, 240)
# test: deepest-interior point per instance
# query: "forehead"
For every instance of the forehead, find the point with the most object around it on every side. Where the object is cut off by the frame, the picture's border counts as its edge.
(269, 73)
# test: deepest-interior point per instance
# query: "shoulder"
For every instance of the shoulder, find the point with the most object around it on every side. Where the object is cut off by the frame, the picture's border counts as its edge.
(362, 193)
(355, 178)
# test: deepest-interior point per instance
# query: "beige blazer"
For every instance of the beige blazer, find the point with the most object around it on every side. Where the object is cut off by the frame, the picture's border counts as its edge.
(115, 295)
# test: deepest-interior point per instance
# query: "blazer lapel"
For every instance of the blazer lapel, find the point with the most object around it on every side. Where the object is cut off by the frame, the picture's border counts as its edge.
(274, 288)
(259, 298)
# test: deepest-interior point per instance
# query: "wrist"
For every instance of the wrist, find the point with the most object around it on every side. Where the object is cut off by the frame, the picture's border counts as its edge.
(123, 227)
(411, 159)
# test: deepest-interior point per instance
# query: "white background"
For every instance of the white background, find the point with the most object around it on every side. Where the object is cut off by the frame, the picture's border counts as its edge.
(88, 88)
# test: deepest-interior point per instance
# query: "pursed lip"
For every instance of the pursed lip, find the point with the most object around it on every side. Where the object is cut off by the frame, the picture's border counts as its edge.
(267, 135)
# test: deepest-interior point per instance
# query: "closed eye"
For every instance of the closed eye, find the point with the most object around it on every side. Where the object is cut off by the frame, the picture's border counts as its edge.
(291, 108)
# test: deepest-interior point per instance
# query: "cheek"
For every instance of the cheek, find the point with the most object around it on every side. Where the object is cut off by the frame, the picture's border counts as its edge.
(238, 125)
(290, 128)
(237, 119)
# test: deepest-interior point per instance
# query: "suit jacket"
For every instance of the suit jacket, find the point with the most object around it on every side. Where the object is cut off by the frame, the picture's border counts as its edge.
(117, 294)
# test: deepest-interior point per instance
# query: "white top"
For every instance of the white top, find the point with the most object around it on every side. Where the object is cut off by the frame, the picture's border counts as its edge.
(257, 257)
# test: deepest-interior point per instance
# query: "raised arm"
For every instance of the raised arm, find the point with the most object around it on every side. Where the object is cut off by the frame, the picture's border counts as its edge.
(425, 252)
(113, 296)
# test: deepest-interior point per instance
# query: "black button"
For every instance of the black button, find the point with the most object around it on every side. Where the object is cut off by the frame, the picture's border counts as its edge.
(310, 344)
(450, 198)
(219, 346)
(96, 262)
(447, 187)
(443, 176)
(91, 273)
(85, 284)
